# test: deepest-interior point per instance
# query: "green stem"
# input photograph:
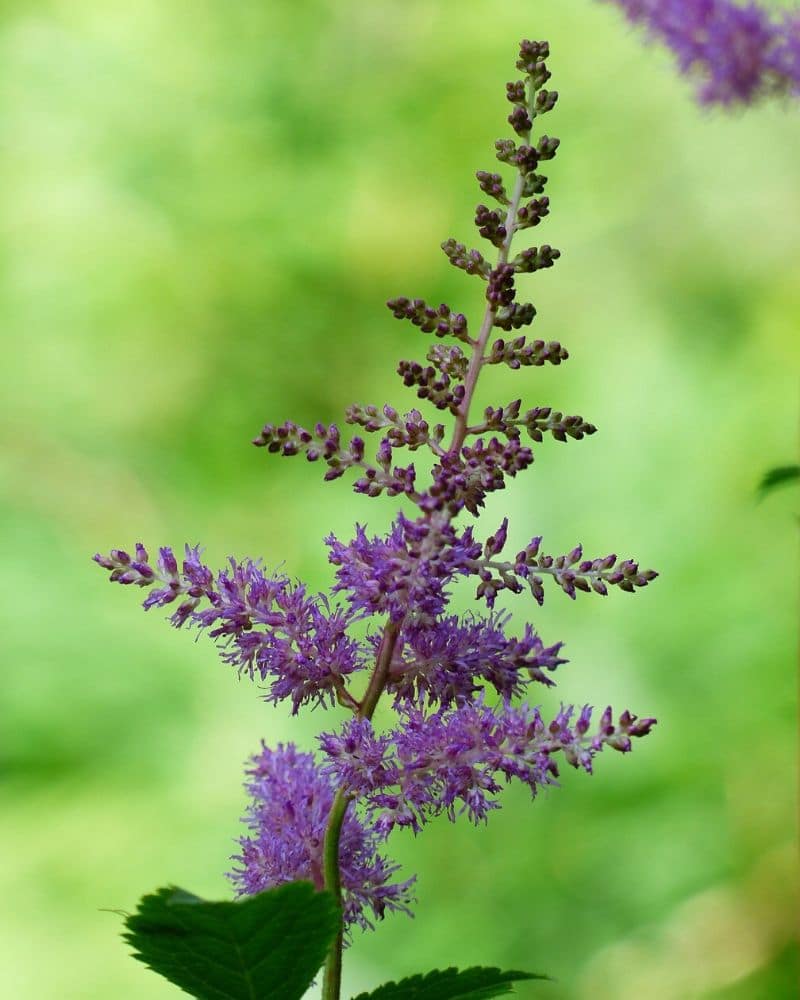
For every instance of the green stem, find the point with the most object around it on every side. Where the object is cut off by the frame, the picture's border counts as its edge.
(332, 981)
(479, 347)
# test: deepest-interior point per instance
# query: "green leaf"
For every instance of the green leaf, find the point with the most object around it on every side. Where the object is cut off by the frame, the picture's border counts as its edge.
(450, 984)
(781, 475)
(265, 947)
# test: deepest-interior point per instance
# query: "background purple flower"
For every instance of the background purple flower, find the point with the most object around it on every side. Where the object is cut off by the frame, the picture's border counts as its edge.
(737, 52)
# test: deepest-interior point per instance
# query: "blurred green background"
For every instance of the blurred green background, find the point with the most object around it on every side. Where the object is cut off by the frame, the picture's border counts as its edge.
(205, 206)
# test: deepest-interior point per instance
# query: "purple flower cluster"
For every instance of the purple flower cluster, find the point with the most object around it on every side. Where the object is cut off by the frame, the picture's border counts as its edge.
(291, 801)
(388, 615)
(739, 53)
(265, 625)
(450, 761)
(405, 573)
(452, 659)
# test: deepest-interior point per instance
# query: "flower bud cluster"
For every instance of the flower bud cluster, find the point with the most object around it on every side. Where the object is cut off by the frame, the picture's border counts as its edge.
(500, 289)
(410, 430)
(437, 387)
(492, 184)
(491, 225)
(383, 476)
(471, 261)
(441, 321)
(571, 572)
(449, 360)
(527, 158)
(461, 481)
(535, 258)
(500, 293)
(532, 214)
(545, 101)
(520, 120)
(533, 183)
(323, 442)
(538, 421)
(532, 56)
(193, 582)
(514, 316)
(517, 353)
(377, 477)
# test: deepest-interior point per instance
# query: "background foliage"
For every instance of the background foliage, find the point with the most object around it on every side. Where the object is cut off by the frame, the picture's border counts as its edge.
(205, 206)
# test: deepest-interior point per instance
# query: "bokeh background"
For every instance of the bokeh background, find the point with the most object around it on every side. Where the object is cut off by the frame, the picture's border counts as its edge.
(205, 205)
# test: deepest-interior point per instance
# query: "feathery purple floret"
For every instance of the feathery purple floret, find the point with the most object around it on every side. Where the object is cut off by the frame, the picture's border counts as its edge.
(407, 572)
(449, 660)
(290, 803)
(388, 611)
(738, 52)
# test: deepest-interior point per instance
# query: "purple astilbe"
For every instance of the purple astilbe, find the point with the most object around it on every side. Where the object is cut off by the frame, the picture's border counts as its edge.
(405, 573)
(290, 805)
(738, 52)
(265, 626)
(450, 761)
(450, 660)
(388, 613)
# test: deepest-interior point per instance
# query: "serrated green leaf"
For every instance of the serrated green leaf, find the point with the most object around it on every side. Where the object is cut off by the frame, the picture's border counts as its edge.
(265, 947)
(450, 984)
(781, 475)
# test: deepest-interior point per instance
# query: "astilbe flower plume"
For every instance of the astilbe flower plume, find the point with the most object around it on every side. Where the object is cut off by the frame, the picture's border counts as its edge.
(450, 761)
(738, 52)
(291, 802)
(451, 659)
(265, 625)
(453, 680)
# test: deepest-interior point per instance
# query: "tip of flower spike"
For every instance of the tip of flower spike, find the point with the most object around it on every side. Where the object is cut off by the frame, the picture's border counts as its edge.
(531, 53)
